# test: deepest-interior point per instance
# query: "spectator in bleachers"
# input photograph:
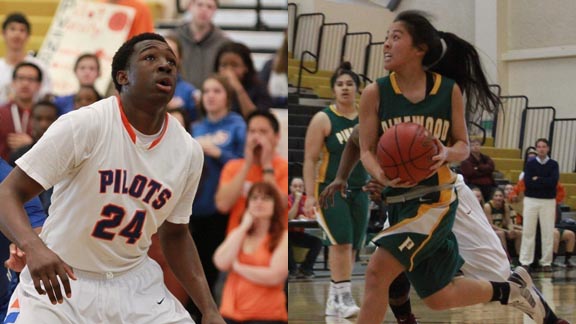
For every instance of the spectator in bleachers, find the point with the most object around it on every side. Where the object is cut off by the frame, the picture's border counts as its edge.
(234, 61)
(44, 113)
(87, 71)
(298, 237)
(255, 256)
(541, 176)
(143, 21)
(15, 121)
(86, 96)
(515, 202)
(200, 40)
(477, 170)
(222, 135)
(185, 95)
(500, 215)
(16, 31)
(261, 162)
(274, 74)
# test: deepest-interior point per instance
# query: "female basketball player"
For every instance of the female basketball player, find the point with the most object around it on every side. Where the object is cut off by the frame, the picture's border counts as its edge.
(477, 243)
(429, 69)
(345, 222)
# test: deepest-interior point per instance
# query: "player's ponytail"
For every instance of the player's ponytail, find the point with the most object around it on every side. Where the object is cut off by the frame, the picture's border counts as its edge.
(461, 63)
(453, 57)
(345, 68)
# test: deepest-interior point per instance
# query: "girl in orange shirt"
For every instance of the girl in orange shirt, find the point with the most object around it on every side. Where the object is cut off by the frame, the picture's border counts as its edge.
(255, 254)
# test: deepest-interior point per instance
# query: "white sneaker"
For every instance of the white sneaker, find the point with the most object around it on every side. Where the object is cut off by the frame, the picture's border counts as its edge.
(523, 295)
(341, 305)
(348, 307)
(332, 306)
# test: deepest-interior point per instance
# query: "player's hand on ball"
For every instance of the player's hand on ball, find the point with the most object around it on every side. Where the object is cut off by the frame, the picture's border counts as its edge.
(45, 268)
(395, 183)
(338, 185)
(441, 157)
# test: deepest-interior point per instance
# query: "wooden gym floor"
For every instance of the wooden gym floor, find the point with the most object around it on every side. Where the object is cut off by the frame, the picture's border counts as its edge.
(307, 299)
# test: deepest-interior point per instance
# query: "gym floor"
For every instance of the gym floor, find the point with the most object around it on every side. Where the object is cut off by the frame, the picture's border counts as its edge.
(307, 300)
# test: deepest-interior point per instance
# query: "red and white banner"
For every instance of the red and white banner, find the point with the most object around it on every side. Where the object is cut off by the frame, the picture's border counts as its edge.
(81, 27)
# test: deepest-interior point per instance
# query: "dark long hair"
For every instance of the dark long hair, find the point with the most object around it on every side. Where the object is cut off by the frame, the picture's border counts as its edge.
(277, 225)
(251, 77)
(459, 61)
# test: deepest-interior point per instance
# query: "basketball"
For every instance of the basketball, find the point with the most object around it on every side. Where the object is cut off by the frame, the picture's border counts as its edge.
(405, 151)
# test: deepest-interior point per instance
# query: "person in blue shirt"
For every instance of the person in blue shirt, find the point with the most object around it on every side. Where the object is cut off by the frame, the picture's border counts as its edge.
(37, 217)
(222, 135)
(541, 175)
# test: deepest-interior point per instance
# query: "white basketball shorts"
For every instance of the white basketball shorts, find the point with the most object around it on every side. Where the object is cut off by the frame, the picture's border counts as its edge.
(136, 296)
(477, 242)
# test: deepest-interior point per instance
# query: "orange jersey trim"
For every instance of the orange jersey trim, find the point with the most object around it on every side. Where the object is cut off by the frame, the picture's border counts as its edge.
(131, 131)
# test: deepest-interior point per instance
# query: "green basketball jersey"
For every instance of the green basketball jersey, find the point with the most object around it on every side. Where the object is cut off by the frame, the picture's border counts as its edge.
(434, 112)
(341, 128)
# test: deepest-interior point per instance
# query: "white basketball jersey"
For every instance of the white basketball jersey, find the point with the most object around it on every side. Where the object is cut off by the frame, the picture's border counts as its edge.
(111, 193)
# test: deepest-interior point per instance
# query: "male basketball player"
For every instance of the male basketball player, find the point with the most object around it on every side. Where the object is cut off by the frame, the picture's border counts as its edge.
(122, 169)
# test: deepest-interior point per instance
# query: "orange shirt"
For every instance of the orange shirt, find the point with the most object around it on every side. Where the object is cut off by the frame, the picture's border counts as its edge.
(255, 174)
(244, 300)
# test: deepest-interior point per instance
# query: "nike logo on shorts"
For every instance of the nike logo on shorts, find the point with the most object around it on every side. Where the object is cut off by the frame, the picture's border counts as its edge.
(161, 301)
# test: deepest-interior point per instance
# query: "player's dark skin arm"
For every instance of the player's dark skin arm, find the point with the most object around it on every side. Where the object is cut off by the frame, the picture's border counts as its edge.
(44, 265)
(182, 257)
